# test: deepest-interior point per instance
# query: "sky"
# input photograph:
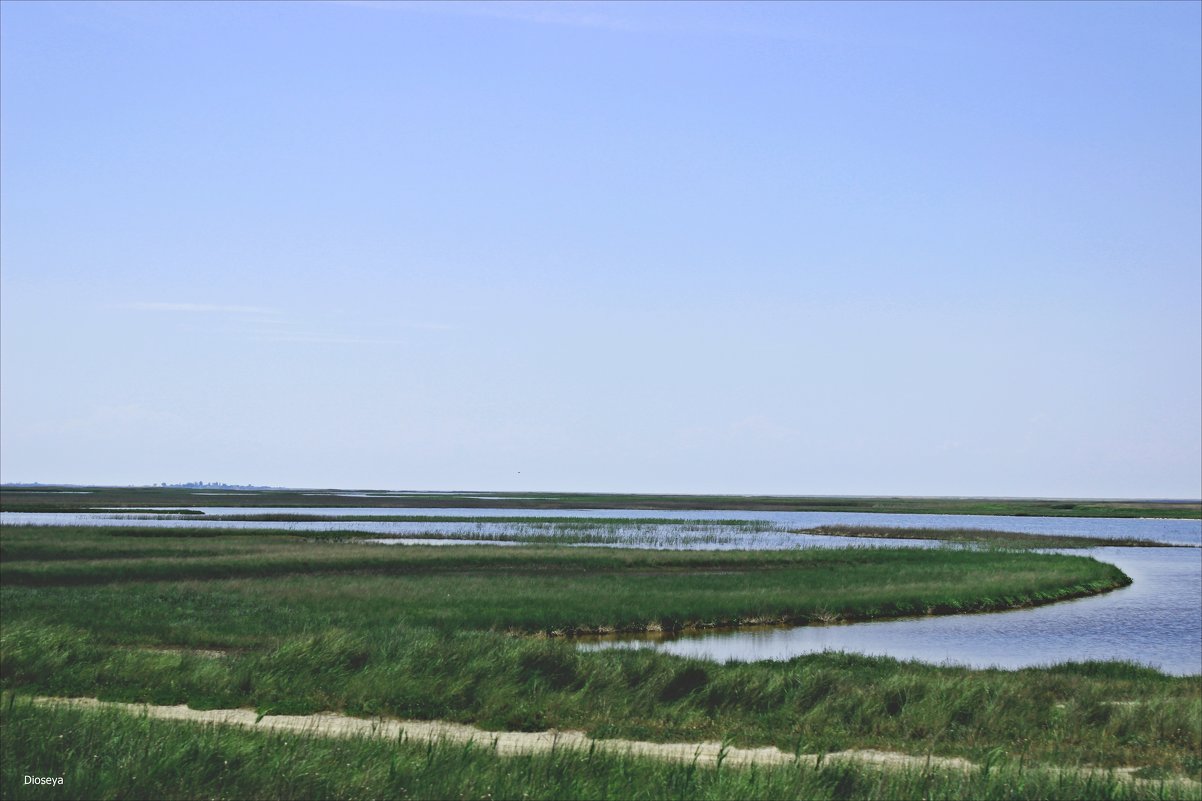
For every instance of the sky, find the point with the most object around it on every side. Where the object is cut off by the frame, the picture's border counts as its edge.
(813, 248)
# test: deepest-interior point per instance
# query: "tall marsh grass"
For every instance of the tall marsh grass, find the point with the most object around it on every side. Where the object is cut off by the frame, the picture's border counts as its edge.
(112, 754)
(1101, 714)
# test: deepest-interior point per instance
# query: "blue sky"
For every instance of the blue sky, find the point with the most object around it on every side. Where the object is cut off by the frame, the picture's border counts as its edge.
(812, 248)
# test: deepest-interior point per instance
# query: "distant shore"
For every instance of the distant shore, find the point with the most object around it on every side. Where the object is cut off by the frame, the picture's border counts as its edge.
(50, 498)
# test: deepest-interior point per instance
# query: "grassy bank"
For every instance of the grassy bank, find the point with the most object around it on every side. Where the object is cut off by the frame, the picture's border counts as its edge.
(47, 498)
(986, 537)
(529, 589)
(288, 624)
(1101, 714)
(107, 754)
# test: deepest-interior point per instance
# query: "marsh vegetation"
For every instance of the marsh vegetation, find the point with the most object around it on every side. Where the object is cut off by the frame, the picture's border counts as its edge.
(289, 623)
(110, 754)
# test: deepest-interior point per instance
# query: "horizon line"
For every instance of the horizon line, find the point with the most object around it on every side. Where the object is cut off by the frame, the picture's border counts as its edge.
(261, 487)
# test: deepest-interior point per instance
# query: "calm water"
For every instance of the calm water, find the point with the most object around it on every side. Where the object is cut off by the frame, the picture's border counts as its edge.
(1156, 621)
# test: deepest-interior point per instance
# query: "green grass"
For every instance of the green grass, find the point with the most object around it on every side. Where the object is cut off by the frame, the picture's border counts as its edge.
(107, 754)
(1105, 714)
(530, 589)
(446, 633)
(987, 537)
(46, 499)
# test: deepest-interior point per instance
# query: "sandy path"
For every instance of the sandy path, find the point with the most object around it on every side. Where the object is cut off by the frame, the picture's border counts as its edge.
(506, 743)
(510, 743)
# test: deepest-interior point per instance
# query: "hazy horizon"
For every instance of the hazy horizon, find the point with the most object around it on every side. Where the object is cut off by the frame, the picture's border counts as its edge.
(898, 249)
(248, 487)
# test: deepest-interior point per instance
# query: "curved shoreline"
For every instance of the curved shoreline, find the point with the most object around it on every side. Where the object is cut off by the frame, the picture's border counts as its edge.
(825, 619)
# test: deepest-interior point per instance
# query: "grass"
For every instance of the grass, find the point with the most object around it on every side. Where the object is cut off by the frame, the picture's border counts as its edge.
(107, 754)
(423, 632)
(47, 498)
(974, 536)
(530, 589)
(1104, 714)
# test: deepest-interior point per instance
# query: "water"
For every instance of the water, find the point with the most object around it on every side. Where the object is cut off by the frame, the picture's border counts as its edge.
(1156, 621)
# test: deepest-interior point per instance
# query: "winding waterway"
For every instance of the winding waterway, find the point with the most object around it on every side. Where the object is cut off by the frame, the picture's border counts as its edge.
(1156, 621)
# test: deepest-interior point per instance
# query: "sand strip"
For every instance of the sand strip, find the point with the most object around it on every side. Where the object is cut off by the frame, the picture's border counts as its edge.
(511, 743)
